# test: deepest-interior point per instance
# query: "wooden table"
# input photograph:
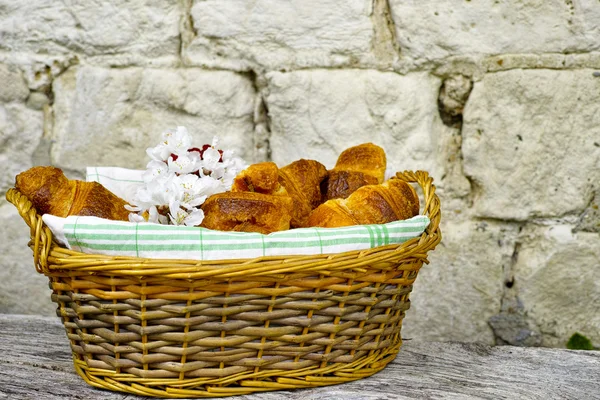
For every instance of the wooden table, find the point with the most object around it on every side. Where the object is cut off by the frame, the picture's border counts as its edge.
(35, 363)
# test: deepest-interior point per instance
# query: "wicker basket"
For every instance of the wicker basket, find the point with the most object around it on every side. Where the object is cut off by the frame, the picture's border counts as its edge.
(183, 328)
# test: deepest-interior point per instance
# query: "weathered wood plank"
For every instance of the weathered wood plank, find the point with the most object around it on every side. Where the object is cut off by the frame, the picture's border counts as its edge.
(35, 363)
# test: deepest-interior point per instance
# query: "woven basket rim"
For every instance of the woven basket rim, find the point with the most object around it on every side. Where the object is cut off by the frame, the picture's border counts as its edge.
(49, 255)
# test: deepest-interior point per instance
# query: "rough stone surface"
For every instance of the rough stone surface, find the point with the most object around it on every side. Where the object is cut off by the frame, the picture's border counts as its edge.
(529, 142)
(109, 31)
(442, 28)
(317, 114)
(456, 294)
(13, 87)
(589, 221)
(281, 34)
(109, 117)
(557, 275)
(454, 94)
(37, 100)
(20, 134)
(22, 289)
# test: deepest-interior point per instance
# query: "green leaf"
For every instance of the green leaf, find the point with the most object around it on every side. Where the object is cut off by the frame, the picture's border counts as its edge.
(579, 342)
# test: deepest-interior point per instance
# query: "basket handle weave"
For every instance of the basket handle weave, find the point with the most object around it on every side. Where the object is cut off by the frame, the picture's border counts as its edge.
(41, 236)
(432, 201)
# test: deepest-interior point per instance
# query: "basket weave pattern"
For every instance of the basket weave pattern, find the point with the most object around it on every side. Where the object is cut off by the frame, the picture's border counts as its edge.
(185, 328)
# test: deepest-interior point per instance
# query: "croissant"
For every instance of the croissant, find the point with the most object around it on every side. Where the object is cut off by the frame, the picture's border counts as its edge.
(51, 192)
(300, 180)
(372, 204)
(356, 166)
(247, 212)
(261, 178)
(367, 158)
(340, 184)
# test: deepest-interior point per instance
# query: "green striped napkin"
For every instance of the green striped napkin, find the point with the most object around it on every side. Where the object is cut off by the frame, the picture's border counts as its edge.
(100, 236)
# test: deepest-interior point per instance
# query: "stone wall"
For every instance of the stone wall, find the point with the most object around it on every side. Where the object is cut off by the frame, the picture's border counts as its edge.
(498, 100)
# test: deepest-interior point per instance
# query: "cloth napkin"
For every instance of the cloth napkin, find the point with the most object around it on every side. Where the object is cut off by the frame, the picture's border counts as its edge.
(101, 236)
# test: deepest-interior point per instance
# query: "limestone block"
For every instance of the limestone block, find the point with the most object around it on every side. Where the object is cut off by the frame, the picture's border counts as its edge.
(272, 34)
(528, 142)
(20, 135)
(22, 289)
(557, 276)
(589, 221)
(12, 84)
(455, 295)
(443, 28)
(110, 116)
(317, 114)
(135, 31)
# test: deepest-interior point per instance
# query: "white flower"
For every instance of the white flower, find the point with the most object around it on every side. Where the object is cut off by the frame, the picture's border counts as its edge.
(233, 166)
(156, 192)
(180, 140)
(180, 216)
(190, 190)
(178, 181)
(133, 217)
(185, 163)
(159, 153)
(210, 158)
(155, 169)
(174, 142)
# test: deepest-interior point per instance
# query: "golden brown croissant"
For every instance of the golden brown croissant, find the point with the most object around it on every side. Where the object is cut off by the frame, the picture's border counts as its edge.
(372, 204)
(356, 167)
(247, 212)
(51, 192)
(299, 180)
(367, 158)
(261, 178)
(340, 184)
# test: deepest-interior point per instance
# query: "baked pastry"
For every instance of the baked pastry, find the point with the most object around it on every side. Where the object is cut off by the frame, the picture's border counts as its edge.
(367, 158)
(340, 184)
(247, 212)
(372, 204)
(300, 180)
(356, 166)
(261, 178)
(51, 192)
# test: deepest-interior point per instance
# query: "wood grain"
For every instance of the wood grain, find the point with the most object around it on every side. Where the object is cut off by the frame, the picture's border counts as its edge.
(35, 363)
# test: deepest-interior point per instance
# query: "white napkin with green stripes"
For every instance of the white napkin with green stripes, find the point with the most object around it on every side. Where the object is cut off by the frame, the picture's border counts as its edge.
(101, 236)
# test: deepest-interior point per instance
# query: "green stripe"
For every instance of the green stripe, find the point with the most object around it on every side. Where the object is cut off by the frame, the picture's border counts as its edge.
(379, 236)
(371, 235)
(141, 247)
(382, 239)
(137, 250)
(75, 233)
(130, 236)
(201, 247)
(215, 247)
(206, 238)
(386, 235)
(211, 235)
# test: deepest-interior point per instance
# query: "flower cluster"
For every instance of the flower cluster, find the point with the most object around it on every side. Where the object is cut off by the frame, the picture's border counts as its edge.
(179, 178)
